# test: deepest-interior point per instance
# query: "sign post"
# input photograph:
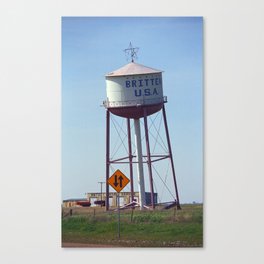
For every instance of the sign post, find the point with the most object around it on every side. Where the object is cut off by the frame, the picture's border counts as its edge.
(118, 208)
(118, 181)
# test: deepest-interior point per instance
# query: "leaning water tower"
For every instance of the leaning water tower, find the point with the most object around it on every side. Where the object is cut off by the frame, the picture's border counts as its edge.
(133, 92)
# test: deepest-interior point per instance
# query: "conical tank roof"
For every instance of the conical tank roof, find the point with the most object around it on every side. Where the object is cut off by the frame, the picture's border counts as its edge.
(132, 68)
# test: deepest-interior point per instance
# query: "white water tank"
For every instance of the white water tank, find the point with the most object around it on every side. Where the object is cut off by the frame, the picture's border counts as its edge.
(133, 88)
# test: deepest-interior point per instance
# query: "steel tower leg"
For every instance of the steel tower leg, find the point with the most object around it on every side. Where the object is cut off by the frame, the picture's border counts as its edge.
(142, 199)
(130, 159)
(149, 159)
(107, 159)
(170, 154)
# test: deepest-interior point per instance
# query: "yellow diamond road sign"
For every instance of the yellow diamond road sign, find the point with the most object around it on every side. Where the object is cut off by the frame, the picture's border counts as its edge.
(118, 180)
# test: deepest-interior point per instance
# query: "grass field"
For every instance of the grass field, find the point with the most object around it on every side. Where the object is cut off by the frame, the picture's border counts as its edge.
(159, 228)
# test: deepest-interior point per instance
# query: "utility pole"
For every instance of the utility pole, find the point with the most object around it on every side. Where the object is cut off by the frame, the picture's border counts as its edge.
(101, 193)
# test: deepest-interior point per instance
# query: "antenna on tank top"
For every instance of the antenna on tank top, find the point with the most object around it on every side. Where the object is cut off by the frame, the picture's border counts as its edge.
(131, 52)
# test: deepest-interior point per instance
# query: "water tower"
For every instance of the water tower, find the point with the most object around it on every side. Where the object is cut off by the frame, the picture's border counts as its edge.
(133, 92)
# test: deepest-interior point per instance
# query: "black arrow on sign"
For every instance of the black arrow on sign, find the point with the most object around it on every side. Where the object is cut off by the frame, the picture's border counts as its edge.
(115, 183)
(120, 181)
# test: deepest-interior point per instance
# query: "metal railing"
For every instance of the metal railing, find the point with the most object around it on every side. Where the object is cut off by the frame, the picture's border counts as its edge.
(140, 102)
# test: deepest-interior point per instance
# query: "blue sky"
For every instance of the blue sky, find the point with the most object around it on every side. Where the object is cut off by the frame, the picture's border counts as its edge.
(92, 47)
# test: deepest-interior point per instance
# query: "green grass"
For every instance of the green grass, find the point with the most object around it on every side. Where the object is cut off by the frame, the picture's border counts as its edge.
(159, 228)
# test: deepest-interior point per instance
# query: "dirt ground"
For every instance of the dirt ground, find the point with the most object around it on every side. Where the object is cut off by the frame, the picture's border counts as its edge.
(80, 245)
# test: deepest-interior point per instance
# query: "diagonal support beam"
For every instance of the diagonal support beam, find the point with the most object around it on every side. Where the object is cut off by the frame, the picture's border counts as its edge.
(170, 154)
(107, 159)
